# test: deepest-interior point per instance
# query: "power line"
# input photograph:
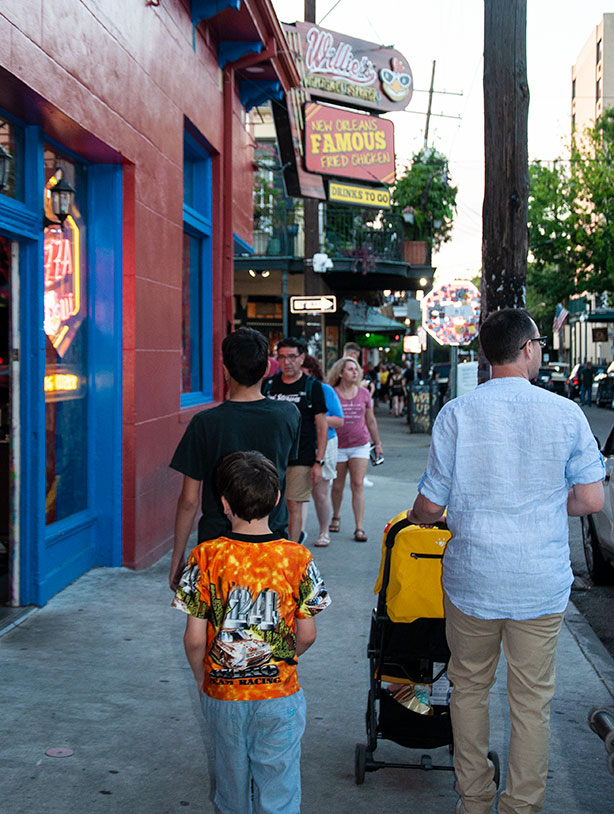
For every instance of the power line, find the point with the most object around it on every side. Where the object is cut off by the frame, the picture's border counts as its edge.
(328, 12)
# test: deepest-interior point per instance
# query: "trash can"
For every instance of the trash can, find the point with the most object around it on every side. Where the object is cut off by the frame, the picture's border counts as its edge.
(423, 406)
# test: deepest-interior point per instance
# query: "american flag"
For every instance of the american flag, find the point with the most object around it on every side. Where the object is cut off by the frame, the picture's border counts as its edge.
(560, 315)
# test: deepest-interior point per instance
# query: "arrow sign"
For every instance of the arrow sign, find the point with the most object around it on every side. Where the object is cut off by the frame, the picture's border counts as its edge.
(313, 305)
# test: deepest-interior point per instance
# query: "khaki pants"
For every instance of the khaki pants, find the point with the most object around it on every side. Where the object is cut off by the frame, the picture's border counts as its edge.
(530, 647)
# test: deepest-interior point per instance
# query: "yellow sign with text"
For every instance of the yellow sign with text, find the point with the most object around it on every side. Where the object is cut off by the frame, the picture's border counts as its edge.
(359, 196)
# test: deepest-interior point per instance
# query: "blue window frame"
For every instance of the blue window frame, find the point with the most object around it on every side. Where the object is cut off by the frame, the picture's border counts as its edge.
(196, 356)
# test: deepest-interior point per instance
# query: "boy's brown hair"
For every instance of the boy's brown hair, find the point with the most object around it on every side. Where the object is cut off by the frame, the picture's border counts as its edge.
(250, 484)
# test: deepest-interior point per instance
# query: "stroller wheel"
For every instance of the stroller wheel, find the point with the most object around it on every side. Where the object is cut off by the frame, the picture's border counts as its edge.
(494, 759)
(360, 759)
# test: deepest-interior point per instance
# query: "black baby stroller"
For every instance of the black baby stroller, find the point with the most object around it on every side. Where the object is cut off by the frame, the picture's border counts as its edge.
(408, 651)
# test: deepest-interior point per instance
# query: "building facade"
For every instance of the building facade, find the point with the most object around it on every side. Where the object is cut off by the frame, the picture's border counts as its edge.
(592, 76)
(589, 331)
(112, 313)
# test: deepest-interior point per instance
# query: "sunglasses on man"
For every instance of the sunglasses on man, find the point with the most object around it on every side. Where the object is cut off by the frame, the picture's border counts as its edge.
(541, 339)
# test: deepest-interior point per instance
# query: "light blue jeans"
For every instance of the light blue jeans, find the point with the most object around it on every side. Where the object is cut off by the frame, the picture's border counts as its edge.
(259, 740)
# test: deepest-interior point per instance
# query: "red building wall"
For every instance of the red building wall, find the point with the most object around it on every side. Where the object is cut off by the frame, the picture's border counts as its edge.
(115, 82)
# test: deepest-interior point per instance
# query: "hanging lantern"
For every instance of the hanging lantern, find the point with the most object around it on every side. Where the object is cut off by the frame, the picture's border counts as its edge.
(5, 166)
(62, 197)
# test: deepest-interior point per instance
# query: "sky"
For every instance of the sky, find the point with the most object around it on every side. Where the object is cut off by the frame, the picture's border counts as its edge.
(451, 32)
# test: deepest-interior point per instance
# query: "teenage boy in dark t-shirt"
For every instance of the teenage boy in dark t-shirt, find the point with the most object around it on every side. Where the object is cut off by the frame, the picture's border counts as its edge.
(304, 469)
(245, 421)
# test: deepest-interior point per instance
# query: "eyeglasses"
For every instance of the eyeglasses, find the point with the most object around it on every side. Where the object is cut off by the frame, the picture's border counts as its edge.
(287, 356)
(541, 339)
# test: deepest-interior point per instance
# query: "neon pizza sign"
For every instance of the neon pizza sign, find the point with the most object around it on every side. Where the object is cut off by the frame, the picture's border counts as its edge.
(63, 284)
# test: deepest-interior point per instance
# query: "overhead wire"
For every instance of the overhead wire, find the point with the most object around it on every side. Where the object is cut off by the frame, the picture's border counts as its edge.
(328, 12)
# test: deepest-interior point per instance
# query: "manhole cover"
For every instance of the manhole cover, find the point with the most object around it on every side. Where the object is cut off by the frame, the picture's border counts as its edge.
(58, 751)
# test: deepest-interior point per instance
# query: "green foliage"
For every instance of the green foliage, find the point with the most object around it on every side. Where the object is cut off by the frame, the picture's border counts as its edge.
(571, 222)
(425, 186)
(592, 177)
(551, 271)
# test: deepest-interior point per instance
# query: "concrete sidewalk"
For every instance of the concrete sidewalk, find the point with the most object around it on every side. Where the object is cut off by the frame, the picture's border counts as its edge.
(101, 671)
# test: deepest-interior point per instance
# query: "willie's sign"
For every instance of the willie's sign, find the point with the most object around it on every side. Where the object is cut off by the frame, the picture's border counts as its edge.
(350, 71)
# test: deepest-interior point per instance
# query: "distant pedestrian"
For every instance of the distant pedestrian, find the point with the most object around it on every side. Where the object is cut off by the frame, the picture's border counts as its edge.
(384, 382)
(510, 462)
(291, 384)
(246, 420)
(397, 392)
(355, 437)
(586, 388)
(354, 350)
(334, 418)
(251, 598)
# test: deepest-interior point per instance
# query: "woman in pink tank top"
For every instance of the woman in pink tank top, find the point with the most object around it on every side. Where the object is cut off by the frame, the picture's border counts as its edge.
(355, 437)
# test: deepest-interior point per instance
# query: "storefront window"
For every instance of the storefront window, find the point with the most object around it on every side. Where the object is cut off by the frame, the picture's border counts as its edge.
(191, 367)
(11, 139)
(66, 352)
(196, 325)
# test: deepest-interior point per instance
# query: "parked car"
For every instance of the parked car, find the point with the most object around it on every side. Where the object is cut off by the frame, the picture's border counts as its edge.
(553, 377)
(598, 529)
(574, 381)
(604, 397)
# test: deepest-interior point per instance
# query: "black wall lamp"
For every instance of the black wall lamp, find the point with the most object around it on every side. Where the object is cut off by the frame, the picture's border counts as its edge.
(5, 166)
(62, 197)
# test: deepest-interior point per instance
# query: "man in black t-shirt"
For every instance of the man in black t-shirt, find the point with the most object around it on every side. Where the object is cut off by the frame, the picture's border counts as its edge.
(292, 385)
(245, 422)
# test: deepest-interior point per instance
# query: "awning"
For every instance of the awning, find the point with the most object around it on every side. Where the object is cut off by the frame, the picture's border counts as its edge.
(362, 317)
(250, 38)
(605, 315)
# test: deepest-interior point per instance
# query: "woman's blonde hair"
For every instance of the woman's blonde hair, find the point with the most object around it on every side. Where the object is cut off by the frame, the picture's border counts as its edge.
(334, 374)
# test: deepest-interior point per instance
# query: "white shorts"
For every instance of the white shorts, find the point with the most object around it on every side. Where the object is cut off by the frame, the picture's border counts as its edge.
(329, 469)
(345, 454)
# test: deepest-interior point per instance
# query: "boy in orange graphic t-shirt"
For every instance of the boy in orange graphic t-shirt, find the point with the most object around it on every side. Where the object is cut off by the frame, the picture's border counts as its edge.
(251, 599)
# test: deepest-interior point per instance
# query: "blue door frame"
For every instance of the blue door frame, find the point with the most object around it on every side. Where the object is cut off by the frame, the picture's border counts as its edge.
(50, 557)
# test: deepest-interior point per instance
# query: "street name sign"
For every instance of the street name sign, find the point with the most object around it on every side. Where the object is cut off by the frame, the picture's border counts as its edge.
(326, 304)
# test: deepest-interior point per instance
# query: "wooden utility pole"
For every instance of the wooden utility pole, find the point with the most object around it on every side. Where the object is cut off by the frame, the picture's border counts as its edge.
(313, 284)
(506, 169)
(313, 280)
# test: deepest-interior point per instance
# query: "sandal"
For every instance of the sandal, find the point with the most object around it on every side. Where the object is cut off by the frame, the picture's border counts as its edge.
(335, 525)
(360, 536)
(323, 540)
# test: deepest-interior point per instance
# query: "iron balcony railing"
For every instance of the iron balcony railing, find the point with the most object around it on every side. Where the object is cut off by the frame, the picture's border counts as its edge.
(365, 235)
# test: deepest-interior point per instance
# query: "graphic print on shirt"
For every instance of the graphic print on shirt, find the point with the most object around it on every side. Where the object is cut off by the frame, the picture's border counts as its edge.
(251, 639)
(240, 648)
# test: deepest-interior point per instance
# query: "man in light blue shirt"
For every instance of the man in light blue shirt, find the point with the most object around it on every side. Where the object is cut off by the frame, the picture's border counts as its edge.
(511, 462)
